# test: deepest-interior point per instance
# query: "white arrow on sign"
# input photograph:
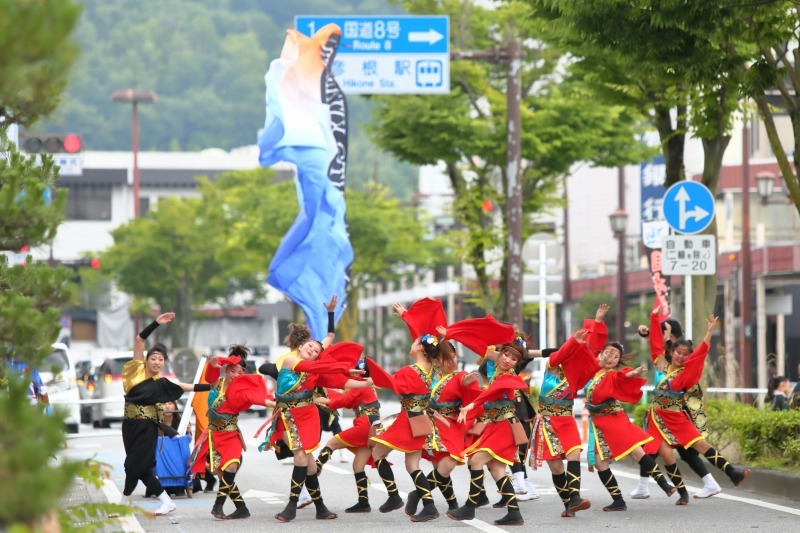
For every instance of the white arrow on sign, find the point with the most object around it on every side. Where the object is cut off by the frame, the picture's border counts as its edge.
(431, 36)
(698, 213)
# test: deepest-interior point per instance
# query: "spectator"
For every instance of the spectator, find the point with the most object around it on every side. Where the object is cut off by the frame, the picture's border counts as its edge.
(779, 393)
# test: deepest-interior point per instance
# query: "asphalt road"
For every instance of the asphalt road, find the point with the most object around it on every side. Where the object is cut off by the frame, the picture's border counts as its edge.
(264, 482)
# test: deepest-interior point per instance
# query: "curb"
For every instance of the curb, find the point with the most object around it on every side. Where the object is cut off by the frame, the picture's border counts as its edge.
(761, 483)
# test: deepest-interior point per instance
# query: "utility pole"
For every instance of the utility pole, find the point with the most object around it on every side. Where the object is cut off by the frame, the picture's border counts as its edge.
(510, 55)
(745, 302)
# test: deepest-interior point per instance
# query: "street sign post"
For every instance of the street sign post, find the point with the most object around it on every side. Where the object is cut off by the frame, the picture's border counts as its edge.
(689, 255)
(688, 207)
(388, 54)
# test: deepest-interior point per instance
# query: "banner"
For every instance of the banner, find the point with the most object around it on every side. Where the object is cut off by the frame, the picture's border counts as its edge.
(654, 228)
(306, 124)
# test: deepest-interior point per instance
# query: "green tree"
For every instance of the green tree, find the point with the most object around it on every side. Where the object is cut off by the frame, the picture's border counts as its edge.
(37, 52)
(674, 62)
(772, 28)
(383, 233)
(466, 130)
(169, 258)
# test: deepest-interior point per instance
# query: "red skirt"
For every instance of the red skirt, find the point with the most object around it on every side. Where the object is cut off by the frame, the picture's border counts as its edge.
(451, 442)
(498, 441)
(560, 436)
(301, 427)
(674, 427)
(225, 448)
(356, 436)
(398, 436)
(616, 437)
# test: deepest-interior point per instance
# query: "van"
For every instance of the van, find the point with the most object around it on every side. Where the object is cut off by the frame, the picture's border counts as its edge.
(58, 376)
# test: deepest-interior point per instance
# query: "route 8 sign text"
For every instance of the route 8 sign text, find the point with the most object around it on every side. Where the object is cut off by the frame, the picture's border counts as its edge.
(689, 255)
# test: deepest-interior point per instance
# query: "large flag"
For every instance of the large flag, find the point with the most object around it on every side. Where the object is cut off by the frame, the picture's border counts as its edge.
(306, 125)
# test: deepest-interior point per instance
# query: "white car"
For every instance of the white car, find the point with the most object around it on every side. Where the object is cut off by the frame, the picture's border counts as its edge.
(58, 376)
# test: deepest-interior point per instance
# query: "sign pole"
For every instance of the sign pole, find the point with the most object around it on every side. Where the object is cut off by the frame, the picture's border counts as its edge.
(542, 295)
(687, 323)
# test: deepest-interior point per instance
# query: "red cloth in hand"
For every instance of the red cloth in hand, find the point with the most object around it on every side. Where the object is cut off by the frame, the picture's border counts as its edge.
(478, 334)
(424, 316)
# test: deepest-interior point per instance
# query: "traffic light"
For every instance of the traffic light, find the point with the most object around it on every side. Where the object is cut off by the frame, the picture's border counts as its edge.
(51, 143)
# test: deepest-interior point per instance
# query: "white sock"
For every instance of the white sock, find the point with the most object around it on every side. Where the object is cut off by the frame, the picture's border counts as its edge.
(644, 483)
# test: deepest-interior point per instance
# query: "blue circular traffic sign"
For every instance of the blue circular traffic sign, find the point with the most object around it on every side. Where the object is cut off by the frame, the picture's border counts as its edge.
(688, 207)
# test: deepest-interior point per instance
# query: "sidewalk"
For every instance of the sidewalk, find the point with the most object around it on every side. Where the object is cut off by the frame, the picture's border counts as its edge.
(83, 492)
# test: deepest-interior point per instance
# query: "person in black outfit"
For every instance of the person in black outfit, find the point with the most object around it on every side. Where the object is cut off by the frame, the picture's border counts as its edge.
(145, 391)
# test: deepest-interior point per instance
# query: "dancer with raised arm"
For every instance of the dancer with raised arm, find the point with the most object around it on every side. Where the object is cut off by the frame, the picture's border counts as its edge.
(145, 391)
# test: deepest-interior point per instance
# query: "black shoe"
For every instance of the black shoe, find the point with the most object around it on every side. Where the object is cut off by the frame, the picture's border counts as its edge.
(240, 512)
(499, 505)
(210, 486)
(616, 505)
(289, 512)
(576, 503)
(323, 513)
(465, 512)
(739, 476)
(394, 503)
(512, 518)
(683, 500)
(427, 514)
(360, 507)
(483, 499)
(196, 485)
(217, 512)
(412, 503)
(452, 505)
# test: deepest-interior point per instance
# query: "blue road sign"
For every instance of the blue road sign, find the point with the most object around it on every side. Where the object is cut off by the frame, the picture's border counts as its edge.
(388, 54)
(688, 207)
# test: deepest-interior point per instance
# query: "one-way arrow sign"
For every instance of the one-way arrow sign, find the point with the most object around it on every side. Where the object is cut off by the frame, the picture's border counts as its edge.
(688, 207)
(431, 36)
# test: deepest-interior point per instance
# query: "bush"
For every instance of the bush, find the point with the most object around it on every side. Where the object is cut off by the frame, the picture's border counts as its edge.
(764, 438)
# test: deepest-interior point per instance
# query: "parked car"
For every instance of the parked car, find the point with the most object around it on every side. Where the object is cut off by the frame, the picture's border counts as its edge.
(58, 376)
(108, 386)
(84, 374)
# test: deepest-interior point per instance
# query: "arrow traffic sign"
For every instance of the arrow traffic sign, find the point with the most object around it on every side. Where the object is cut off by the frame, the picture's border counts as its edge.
(688, 207)
(431, 36)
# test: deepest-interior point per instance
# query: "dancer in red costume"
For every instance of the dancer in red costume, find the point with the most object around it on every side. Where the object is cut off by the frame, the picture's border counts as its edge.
(445, 446)
(555, 435)
(413, 425)
(366, 407)
(222, 445)
(613, 437)
(667, 422)
(296, 419)
(497, 445)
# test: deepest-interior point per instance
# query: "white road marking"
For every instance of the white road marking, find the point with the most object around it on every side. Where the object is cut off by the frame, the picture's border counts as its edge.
(749, 501)
(270, 498)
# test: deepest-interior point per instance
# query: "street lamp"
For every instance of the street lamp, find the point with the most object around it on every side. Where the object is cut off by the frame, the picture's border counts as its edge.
(135, 96)
(765, 184)
(619, 220)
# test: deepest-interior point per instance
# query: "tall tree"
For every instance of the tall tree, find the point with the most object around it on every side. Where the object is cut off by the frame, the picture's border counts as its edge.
(672, 61)
(773, 28)
(169, 258)
(383, 232)
(466, 130)
(37, 53)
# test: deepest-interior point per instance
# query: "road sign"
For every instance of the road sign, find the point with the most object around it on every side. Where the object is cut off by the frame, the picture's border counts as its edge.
(689, 255)
(71, 164)
(688, 207)
(388, 54)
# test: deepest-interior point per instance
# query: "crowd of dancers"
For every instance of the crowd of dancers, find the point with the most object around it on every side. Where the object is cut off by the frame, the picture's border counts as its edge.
(448, 417)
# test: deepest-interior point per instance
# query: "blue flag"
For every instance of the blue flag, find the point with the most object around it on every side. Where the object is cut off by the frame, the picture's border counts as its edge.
(306, 125)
